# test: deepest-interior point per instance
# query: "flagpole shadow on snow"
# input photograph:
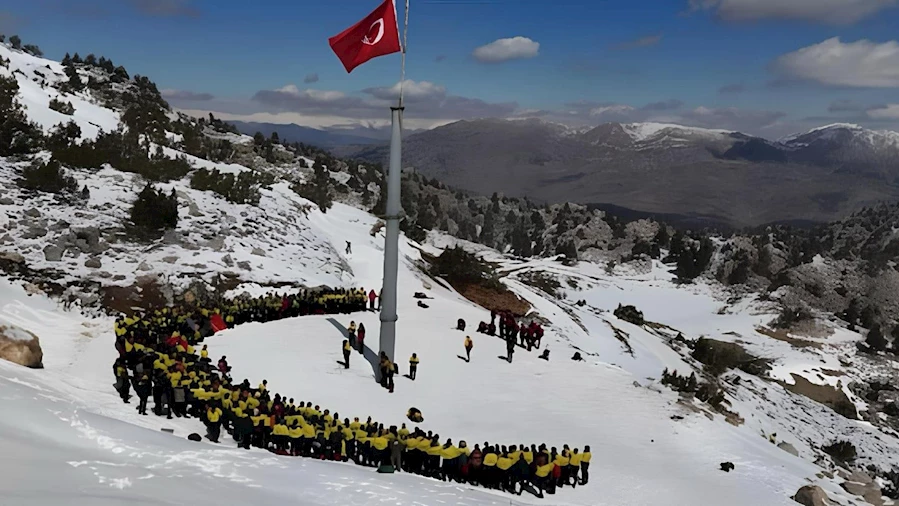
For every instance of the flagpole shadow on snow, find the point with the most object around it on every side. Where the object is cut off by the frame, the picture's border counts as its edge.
(367, 352)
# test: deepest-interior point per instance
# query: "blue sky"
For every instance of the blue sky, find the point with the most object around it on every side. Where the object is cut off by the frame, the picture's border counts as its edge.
(598, 60)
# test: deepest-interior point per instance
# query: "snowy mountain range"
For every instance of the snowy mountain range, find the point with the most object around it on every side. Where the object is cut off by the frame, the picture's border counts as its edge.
(724, 177)
(64, 425)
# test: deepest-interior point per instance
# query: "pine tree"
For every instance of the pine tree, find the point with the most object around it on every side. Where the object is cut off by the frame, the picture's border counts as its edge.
(66, 60)
(77, 58)
(875, 339)
(16, 42)
(488, 231)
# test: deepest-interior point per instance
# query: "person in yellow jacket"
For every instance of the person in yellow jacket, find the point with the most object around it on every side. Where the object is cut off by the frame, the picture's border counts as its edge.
(413, 366)
(574, 467)
(585, 465)
(469, 344)
(280, 435)
(296, 437)
(213, 421)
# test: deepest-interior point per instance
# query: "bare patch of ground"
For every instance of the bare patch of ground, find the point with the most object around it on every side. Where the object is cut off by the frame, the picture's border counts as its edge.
(783, 335)
(831, 397)
(494, 300)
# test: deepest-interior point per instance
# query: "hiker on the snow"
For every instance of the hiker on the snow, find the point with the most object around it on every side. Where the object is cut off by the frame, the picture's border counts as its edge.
(413, 366)
(143, 389)
(122, 382)
(351, 333)
(349, 247)
(469, 344)
(510, 348)
(371, 299)
(346, 354)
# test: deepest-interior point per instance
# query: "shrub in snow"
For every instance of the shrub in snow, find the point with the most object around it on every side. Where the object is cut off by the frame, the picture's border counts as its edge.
(719, 356)
(460, 267)
(242, 189)
(47, 177)
(18, 136)
(16, 42)
(153, 212)
(875, 339)
(318, 189)
(629, 314)
(33, 50)
(842, 452)
(62, 107)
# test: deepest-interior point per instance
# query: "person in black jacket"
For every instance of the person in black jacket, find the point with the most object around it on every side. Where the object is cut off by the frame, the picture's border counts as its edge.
(143, 388)
(346, 353)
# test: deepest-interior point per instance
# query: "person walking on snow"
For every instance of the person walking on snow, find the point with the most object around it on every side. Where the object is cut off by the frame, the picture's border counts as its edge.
(349, 248)
(346, 354)
(468, 346)
(413, 366)
(371, 299)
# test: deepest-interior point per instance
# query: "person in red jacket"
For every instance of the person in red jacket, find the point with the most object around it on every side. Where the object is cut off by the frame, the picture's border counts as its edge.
(360, 338)
(371, 300)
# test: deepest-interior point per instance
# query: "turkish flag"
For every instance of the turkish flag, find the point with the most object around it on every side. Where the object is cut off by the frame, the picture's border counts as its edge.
(376, 35)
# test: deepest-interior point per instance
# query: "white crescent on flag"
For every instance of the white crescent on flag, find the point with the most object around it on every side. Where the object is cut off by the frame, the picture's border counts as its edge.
(380, 23)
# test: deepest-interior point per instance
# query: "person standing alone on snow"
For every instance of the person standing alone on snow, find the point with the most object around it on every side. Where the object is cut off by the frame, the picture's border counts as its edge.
(346, 354)
(371, 299)
(468, 346)
(349, 248)
(413, 366)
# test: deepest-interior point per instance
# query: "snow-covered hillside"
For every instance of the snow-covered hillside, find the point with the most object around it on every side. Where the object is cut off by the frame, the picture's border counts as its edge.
(66, 424)
(642, 451)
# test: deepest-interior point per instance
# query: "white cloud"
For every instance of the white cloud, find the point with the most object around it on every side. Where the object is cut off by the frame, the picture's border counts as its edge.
(611, 109)
(861, 64)
(515, 48)
(837, 12)
(412, 90)
(889, 111)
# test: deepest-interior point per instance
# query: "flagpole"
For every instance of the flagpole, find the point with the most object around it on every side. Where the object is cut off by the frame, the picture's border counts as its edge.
(392, 217)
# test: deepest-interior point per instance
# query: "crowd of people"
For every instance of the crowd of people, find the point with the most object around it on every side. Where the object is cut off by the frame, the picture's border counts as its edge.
(159, 358)
(513, 333)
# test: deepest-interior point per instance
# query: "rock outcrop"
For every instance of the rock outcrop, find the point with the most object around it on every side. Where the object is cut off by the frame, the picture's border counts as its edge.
(20, 346)
(812, 495)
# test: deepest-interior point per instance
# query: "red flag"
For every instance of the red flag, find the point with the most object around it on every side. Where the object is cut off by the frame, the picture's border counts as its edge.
(376, 35)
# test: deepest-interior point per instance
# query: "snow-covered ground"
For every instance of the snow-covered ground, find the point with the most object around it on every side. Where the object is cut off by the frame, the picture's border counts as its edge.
(77, 427)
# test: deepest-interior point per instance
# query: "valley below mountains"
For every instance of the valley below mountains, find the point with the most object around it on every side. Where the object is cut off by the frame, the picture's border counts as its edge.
(692, 175)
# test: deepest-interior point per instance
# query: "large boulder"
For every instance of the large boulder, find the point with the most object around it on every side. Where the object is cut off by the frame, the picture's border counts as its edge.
(812, 495)
(20, 346)
(53, 253)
